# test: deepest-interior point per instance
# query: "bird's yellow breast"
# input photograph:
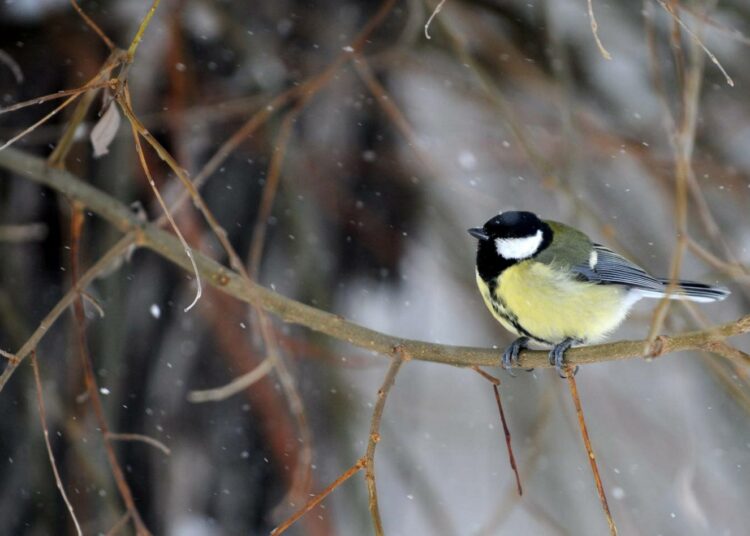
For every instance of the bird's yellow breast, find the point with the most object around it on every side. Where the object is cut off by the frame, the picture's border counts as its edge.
(535, 299)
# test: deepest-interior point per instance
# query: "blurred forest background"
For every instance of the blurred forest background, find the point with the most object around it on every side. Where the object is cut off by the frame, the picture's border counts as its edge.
(364, 185)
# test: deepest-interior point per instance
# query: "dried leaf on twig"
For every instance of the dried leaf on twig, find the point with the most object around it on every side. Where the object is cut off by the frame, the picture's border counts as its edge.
(105, 130)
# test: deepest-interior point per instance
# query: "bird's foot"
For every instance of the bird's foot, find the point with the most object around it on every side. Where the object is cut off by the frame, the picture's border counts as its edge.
(557, 356)
(510, 356)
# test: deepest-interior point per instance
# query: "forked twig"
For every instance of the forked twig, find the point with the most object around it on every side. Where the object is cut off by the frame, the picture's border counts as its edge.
(41, 121)
(12, 359)
(160, 199)
(54, 96)
(312, 503)
(65, 143)
(99, 267)
(374, 439)
(697, 40)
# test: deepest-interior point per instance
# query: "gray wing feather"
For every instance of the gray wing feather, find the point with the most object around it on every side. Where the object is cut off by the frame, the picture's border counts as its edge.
(614, 269)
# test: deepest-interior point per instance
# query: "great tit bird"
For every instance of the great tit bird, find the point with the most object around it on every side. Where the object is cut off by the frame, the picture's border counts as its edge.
(551, 285)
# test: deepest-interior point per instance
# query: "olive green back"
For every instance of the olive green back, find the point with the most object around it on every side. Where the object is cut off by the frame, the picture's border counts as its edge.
(569, 247)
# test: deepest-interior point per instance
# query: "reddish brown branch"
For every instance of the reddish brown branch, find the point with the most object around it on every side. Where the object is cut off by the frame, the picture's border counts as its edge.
(506, 430)
(77, 219)
(589, 450)
(312, 503)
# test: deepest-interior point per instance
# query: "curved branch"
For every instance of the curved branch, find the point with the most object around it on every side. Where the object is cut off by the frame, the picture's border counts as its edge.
(226, 280)
(377, 416)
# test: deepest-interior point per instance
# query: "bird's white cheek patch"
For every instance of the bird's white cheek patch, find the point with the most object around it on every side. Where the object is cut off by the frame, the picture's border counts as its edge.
(518, 248)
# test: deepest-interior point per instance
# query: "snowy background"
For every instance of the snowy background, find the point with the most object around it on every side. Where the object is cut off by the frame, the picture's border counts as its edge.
(510, 105)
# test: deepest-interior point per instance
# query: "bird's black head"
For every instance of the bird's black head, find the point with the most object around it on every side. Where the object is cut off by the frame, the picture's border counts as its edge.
(508, 238)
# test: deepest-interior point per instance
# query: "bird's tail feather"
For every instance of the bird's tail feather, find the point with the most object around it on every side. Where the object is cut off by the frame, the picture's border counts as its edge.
(688, 290)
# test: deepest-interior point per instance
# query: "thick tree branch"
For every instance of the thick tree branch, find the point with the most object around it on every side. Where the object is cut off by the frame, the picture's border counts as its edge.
(226, 280)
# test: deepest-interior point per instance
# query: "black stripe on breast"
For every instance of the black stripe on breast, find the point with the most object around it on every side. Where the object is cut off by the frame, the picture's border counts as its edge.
(501, 308)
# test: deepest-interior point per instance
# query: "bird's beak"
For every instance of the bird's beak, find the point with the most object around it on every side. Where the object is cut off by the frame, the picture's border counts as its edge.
(478, 233)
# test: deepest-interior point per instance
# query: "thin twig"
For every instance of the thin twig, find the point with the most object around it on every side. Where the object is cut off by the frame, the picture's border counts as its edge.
(377, 415)
(93, 83)
(397, 117)
(595, 30)
(182, 176)
(53, 96)
(308, 92)
(305, 90)
(303, 473)
(102, 265)
(12, 359)
(7, 60)
(141, 30)
(733, 33)
(142, 438)
(354, 469)
(160, 199)
(275, 417)
(117, 527)
(434, 14)
(543, 167)
(65, 143)
(734, 270)
(91, 24)
(510, 498)
(43, 419)
(76, 225)
(682, 139)
(24, 232)
(506, 430)
(233, 142)
(93, 303)
(43, 120)
(697, 40)
(271, 187)
(235, 386)
(590, 451)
